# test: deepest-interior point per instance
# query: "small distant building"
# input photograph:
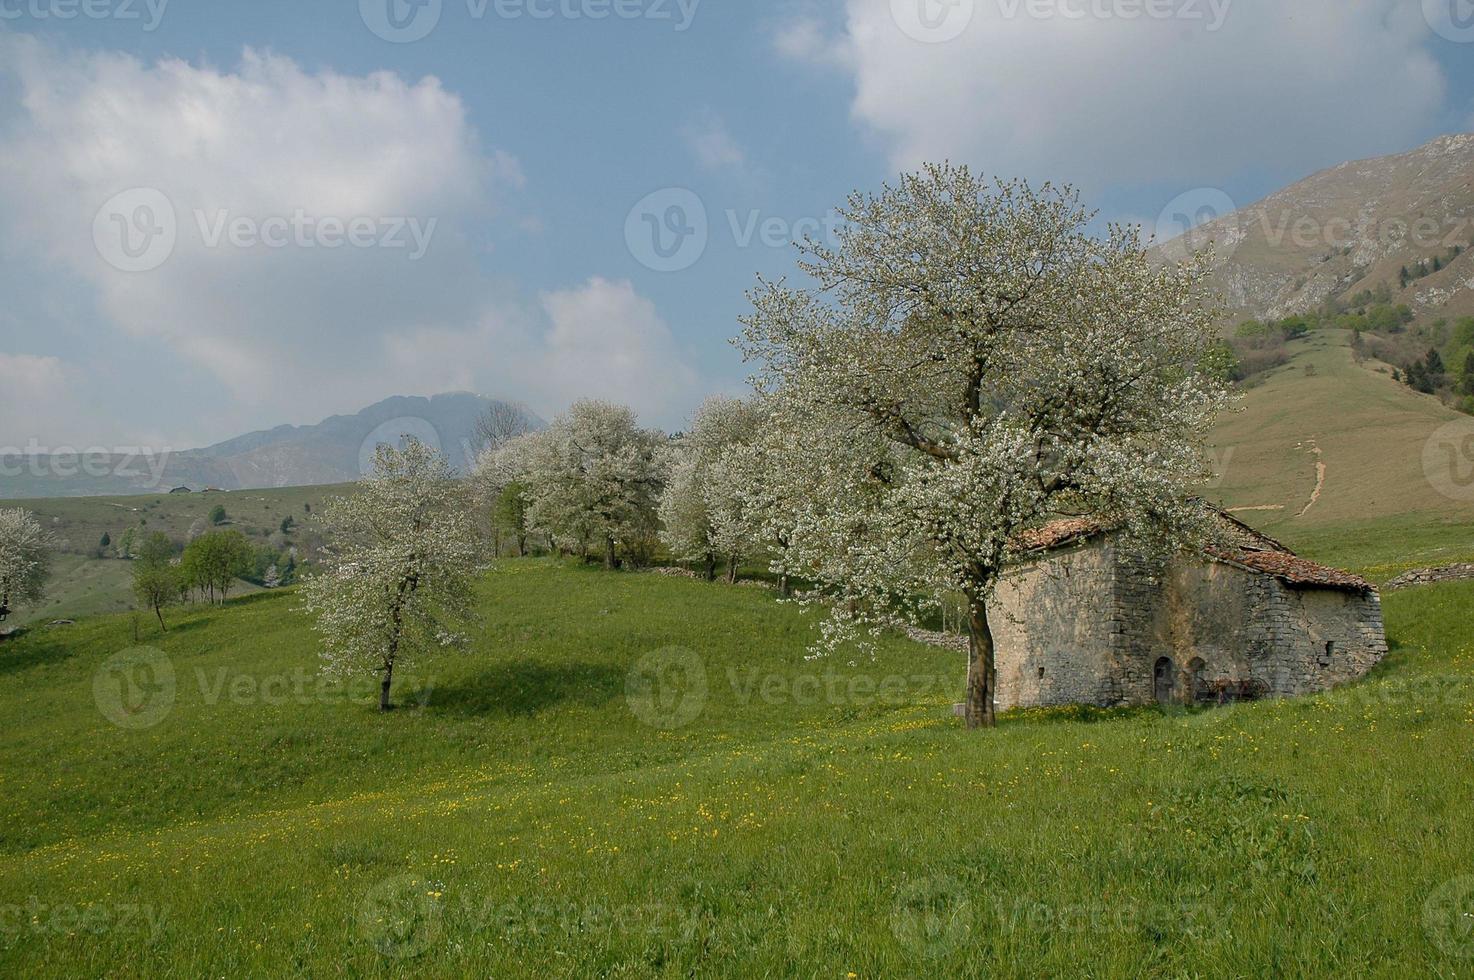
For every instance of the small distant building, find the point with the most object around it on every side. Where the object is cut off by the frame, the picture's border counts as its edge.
(1081, 622)
(181, 490)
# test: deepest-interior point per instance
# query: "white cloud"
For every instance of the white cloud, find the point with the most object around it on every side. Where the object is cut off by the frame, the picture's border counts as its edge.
(713, 146)
(293, 327)
(38, 402)
(294, 333)
(606, 341)
(597, 340)
(1111, 100)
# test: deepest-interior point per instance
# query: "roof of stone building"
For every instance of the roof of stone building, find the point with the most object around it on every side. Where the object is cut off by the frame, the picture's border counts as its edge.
(1250, 548)
(1057, 534)
(1298, 571)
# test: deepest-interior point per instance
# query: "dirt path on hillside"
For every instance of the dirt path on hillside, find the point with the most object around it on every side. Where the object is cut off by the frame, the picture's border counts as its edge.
(1320, 476)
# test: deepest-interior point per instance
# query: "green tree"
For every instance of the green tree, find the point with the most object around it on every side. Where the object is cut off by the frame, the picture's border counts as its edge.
(1466, 385)
(510, 514)
(212, 562)
(217, 514)
(155, 580)
(1436, 370)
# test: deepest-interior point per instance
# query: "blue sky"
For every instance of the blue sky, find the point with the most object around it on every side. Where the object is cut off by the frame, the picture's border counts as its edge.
(522, 147)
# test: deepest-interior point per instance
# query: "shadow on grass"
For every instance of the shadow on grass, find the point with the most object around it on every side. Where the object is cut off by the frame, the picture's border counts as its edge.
(32, 649)
(526, 687)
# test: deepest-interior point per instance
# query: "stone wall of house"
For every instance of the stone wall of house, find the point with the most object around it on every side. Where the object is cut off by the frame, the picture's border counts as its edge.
(1232, 633)
(1047, 619)
(1087, 625)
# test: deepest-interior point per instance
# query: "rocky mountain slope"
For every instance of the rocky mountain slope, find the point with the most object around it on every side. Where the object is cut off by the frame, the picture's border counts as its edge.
(1342, 231)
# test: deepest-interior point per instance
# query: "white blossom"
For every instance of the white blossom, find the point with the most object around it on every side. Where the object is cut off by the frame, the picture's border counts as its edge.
(399, 567)
(25, 559)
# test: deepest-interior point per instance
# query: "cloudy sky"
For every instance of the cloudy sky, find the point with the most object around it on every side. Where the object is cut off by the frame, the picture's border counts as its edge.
(219, 216)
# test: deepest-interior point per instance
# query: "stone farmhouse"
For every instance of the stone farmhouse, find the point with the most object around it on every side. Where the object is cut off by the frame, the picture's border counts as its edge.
(1080, 622)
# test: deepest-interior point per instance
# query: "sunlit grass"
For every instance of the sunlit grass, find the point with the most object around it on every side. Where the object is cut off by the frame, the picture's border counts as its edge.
(810, 818)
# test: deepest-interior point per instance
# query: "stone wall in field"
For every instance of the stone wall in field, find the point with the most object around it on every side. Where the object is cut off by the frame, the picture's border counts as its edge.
(1086, 625)
(1428, 576)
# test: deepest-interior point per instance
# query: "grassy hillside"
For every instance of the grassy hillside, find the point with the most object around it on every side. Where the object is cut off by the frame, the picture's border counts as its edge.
(85, 584)
(1325, 449)
(532, 804)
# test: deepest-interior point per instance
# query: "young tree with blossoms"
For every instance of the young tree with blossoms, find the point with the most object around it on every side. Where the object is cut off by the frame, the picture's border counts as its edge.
(971, 363)
(25, 559)
(399, 567)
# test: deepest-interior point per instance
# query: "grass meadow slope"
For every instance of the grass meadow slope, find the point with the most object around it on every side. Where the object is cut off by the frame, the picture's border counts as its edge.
(86, 583)
(1343, 463)
(541, 805)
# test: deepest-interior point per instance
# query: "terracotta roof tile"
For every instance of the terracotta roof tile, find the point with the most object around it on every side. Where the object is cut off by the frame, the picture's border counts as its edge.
(1248, 550)
(1057, 534)
(1299, 571)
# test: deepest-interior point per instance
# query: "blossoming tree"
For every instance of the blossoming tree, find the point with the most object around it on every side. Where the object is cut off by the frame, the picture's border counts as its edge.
(399, 567)
(25, 559)
(971, 363)
(702, 511)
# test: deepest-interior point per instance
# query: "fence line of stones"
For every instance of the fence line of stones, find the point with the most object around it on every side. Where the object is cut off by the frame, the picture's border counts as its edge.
(1428, 576)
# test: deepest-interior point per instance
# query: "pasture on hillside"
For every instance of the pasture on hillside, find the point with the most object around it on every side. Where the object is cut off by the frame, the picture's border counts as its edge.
(637, 774)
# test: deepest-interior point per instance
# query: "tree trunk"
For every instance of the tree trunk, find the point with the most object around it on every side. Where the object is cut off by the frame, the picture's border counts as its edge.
(982, 671)
(711, 567)
(384, 704)
(609, 552)
(159, 612)
(732, 570)
(785, 589)
(522, 546)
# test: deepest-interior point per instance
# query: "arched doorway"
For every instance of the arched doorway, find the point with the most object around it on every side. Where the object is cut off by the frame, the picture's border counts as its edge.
(1164, 680)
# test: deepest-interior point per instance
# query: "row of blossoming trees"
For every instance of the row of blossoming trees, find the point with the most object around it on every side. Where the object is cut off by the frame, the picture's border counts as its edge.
(597, 484)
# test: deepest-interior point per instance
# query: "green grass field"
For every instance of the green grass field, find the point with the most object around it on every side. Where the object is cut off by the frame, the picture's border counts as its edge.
(532, 808)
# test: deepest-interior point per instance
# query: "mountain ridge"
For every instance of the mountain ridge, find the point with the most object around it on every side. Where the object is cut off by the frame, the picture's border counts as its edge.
(337, 449)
